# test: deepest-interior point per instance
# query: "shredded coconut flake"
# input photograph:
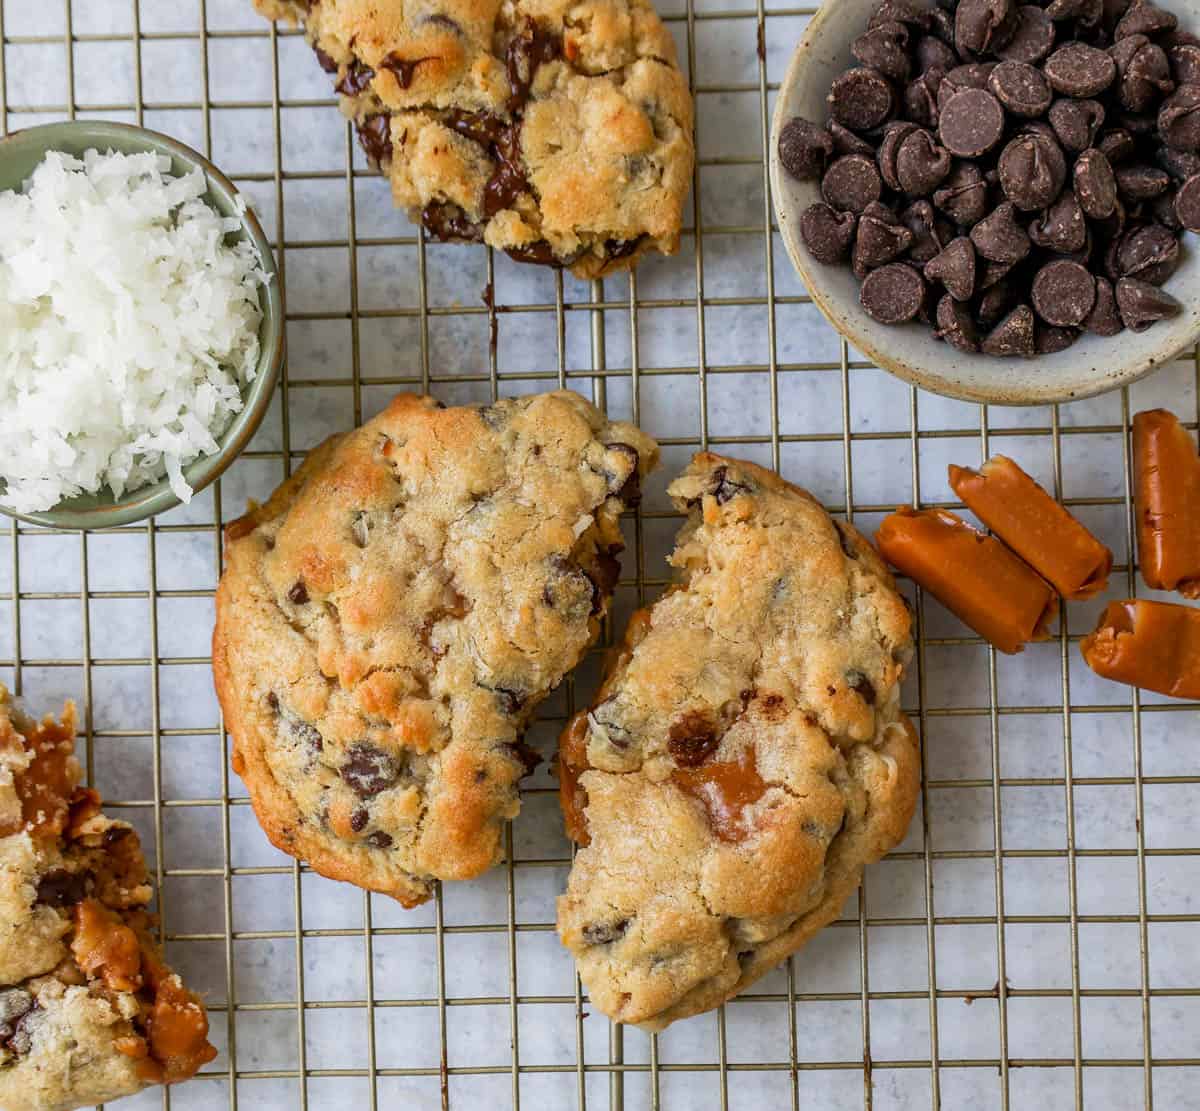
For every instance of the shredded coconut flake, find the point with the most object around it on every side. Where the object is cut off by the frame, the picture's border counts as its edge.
(128, 327)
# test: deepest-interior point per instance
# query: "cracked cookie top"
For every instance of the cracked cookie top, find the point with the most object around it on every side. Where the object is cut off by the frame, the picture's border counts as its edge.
(88, 1010)
(560, 132)
(388, 621)
(745, 756)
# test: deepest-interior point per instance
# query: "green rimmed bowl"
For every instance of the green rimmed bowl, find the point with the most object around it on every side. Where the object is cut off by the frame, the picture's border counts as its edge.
(20, 153)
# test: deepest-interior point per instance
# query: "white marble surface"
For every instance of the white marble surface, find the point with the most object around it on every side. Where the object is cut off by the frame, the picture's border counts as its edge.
(299, 936)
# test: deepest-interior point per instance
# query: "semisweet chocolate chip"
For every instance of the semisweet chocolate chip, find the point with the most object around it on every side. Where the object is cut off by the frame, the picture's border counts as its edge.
(971, 123)
(1180, 164)
(1000, 237)
(921, 164)
(1179, 118)
(1033, 38)
(369, 770)
(984, 26)
(1032, 171)
(1049, 340)
(804, 149)
(1143, 73)
(930, 231)
(1021, 88)
(1063, 293)
(359, 819)
(298, 593)
(955, 269)
(1095, 184)
(997, 301)
(448, 222)
(1141, 183)
(970, 75)
(827, 234)
(881, 238)
(955, 325)
(1076, 122)
(325, 61)
(1185, 63)
(307, 735)
(60, 888)
(605, 933)
(1079, 70)
(379, 840)
(889, 148)
(852, 183)
(921, 97)
(846, 142)
(1142, 304)
(1187, 203)
(893, 294)
(692, 739)
(861, 99)
(1117, 145)
(527, 757)
(20, 1041)
(1062, 227)
(963, 195)
(1013, 336)
(1150, 253)
(1144, 18)
(1162, 209)
(932, 53)
(885, 48)
(1086, 12)
(901, 11)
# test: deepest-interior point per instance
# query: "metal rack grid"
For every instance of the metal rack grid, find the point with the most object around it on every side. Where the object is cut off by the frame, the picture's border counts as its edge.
(1134, 895)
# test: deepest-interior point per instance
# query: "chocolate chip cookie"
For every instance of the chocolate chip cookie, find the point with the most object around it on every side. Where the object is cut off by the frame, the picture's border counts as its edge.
(745, 757)
(559, 133)
(88, 1010)
(388, 621)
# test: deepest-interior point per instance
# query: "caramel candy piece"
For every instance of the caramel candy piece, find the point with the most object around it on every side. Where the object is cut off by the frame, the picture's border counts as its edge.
(1155, 645)
(1167, 496)
(1035, 526)
(974, 576)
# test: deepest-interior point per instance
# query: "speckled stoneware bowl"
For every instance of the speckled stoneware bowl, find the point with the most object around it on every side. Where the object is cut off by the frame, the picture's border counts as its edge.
(20, 153)
(1093, 365)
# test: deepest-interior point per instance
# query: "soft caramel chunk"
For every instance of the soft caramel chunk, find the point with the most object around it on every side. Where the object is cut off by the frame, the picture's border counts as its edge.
(177, 1028)
(725, 789)
(572, 763)
(1167, 493)
(46, 786)
(105, 948)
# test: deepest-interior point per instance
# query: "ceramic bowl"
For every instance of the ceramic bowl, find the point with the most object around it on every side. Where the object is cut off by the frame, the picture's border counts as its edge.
(20, 153)
(1093, 365)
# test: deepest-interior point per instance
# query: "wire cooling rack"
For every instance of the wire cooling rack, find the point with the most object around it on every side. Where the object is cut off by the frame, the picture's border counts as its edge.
(1034, 941)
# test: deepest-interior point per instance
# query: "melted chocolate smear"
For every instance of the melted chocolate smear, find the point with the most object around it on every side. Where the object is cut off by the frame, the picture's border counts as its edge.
(603, 578)
(356, 78)
(375, 135)
(630, 491)
(327, 63)
(379, 840)
(528, 757)
(623, 248)
(369, 770)
(692, 739)
(403, 68)
(481, 127)
(449, 222)
(604, 933)
(508, 179)
(529, 49)
(724, 488)
(60, 888)
(540, 253)
(510, 700)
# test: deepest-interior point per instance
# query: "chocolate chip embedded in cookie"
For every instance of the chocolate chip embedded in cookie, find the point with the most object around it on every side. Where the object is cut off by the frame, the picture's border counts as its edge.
(562, 135)
(88, 1010)
(389, 620)
(745, 757)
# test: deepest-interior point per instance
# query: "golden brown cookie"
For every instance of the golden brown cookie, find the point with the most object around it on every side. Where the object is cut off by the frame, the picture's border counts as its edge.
(560, 133)
(388, 621)
(745, 757)
(88, 1010)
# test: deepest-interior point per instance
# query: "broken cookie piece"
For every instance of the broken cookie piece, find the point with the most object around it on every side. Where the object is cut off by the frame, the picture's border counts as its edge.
(745, 758)
(389, 621)
(561, 134)
(88, 1010)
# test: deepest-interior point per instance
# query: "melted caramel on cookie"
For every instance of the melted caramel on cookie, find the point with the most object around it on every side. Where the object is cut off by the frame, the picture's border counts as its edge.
(572, 763)
(45, 788)
(724, 789)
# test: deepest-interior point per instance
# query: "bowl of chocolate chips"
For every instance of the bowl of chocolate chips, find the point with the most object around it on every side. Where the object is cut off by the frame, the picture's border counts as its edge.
(992, 199)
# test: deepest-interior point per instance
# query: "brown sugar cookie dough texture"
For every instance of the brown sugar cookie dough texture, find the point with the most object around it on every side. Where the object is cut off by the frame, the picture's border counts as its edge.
(88, 1010)
(560, 133)
(388, 621)
(745, 757)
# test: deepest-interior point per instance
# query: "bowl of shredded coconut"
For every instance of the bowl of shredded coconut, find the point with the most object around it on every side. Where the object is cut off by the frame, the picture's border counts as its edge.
(141, 324)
